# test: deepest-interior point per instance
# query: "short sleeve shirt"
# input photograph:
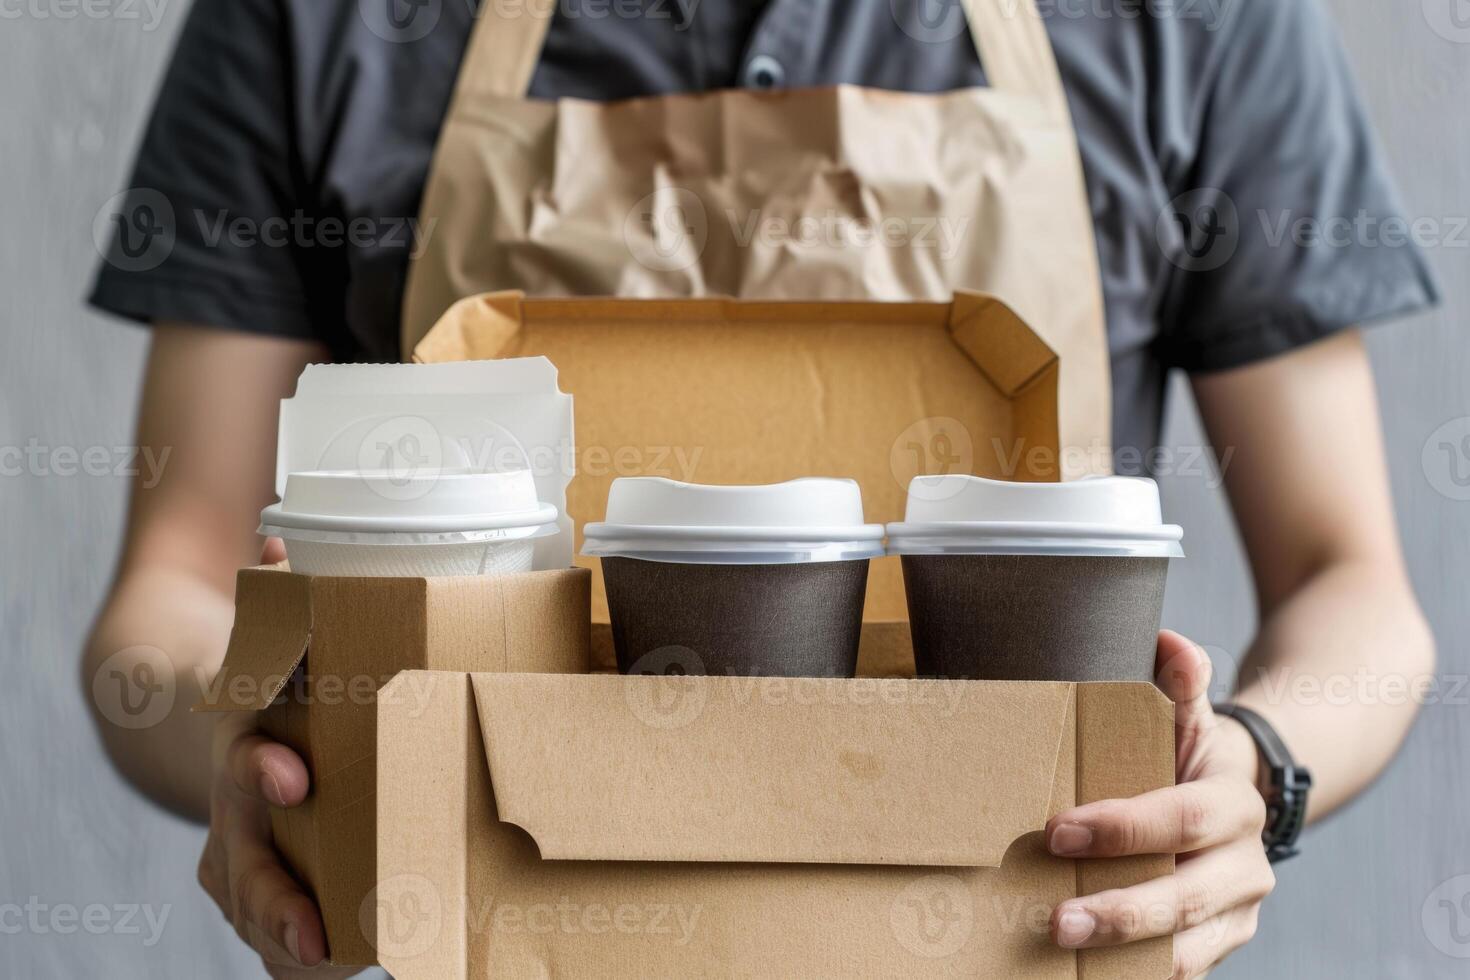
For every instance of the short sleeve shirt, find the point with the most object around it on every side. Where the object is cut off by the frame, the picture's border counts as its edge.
(1241, 205)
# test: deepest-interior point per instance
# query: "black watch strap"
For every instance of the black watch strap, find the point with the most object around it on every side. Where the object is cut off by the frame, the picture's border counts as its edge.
(1286, 800)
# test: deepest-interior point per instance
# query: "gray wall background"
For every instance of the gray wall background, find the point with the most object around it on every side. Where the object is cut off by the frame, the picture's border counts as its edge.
(1361, 903)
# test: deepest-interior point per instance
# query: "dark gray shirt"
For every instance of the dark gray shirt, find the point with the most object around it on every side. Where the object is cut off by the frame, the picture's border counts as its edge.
(1241, 206)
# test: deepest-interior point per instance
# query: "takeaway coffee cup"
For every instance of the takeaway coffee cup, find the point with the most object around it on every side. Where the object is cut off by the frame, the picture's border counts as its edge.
(1029, 581)
(739, 580)
(376, 523)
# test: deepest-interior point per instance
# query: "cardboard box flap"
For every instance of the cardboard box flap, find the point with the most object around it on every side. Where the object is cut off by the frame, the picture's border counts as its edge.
(268, 640)
(999, 342)
(602, 767)
(473, 329)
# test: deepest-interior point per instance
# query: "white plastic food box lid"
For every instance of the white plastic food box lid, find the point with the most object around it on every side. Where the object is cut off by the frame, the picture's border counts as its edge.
(427, 454)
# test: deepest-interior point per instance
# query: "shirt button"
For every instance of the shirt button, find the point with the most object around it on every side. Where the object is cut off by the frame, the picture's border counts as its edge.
(763, 71)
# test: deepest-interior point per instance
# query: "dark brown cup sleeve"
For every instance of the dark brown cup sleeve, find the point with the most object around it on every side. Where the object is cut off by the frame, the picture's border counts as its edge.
(795, 620)
(1035, 617)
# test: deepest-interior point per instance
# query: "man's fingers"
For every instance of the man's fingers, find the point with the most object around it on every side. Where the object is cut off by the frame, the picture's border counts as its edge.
(267, 770)
(274, 552)
(1201, 890)
(271, 912)
(1182, 671)
(240, 869)
(311, 973)
(213, 872)
(1173, 820)
(1199, 950)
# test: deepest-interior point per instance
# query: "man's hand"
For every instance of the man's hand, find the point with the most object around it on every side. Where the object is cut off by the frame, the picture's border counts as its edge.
(240, 868)
(1212, 820)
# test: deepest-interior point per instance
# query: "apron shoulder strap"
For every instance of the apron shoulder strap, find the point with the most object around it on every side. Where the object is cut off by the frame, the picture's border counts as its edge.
(506, 41)
(504, 48)
(1016, 51)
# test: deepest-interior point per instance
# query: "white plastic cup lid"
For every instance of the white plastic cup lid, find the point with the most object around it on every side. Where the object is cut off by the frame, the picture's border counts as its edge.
(431, 501)
(1110, 515)
(807, 520)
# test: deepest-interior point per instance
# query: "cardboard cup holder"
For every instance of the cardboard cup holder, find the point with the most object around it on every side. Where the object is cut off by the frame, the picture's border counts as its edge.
(480, 777)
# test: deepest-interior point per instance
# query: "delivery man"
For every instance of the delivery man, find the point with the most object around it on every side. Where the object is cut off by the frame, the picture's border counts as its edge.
(321, 178)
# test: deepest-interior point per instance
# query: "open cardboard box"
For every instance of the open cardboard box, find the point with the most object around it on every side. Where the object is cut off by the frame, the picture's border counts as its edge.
(730, 391)
(524, 815)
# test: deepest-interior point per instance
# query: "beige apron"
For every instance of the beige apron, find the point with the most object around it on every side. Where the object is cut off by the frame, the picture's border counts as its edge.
(831, 193)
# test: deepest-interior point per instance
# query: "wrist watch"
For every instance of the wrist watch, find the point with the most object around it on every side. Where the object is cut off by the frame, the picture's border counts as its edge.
(1286, 798)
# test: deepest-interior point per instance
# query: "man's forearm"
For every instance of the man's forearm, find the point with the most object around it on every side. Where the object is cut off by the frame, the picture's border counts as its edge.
(161, 634)
(1338, 669)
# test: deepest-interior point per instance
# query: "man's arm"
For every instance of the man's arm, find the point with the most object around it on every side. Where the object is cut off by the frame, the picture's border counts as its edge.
(1308, 482)
(1340, 626)
(210, 401)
